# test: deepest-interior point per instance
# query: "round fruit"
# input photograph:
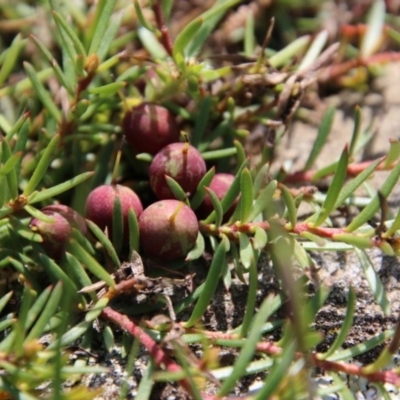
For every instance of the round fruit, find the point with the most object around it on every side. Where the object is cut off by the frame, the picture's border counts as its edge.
(149, 127)
(180, 161)
(100, 206)
(168, 230)
(55, 234)
(219, 185)
(74, 218)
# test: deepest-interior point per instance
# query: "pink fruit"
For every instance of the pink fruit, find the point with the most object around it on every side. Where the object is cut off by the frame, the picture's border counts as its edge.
(149, 127)
(181, 162)
(55, 235)
(219, 185)
(168, 230)
(100, 206)
(73, 217)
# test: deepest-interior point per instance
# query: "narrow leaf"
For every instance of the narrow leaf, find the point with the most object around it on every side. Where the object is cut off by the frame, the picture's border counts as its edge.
(334, 188)
(210, 286)
(249, 348)
(356, 131)
(134, 234)
(347, 323)
(76, 249)
(375, 284)
(177, 190)
(200, 193)
(54, 64)
(197, 250)
(246, 195)
(184, 38)
(103, 239)
(43, 164)
(58, 189)
(11, 57)
(263, 200)
(101, 22)
(201, 121)
(368, 212)
(117, 224)
(320, 141)
(42, 93)
(290, 205)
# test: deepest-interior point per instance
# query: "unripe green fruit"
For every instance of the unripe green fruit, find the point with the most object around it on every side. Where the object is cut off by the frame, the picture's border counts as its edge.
(181, 162)
(168, 230)
(100, 206)
(149, 127)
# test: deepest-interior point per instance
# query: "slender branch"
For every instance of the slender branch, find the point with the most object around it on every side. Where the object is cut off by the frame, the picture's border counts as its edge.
(165, 36)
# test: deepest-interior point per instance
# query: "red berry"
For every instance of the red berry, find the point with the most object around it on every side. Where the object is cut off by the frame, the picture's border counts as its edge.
(181, 162)
(149, 127)
(219, 185)
(55, 235)
(168, 230)
(100, 206)
(74, 218)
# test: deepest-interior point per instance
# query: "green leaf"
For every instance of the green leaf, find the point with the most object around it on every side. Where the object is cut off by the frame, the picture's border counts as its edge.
(249, 38)
(54, 271)
(97, 309)
(351, 187)
(4, 300)
(290, 205)
(393, 153)
(247, 254)
(177, 190)
(94, 267)
(101, 21)
(278, 371)
(375, 284)
(211, 282)
(263, 200)
(143, 21)
(251, 296)
(103, 239)
(109, 35)
(219, 213)
(356, 131)
(291, 50)
(249, 348)
(375, 24)
(197, 250)
(43, 164)
(134, 234)
(314, 51)
(394, 227)
(107, 90)
(42, 93)
(368, 212)
(320, 141)
(334, 188)
(46, 194)
(216, 154)
(200, 193)
(183, 40)
(69, 36)
(201, 121)
(54, 64)
(117, 224)
(70, 336)
(10, 58)
(45, 315)
(151, 43)
(344, 330)
(210, 19)
(230, 195)
(260, 238)
(246, 195)
(240, 153)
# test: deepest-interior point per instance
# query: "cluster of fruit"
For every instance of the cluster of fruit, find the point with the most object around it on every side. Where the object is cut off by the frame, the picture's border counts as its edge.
(168, 228)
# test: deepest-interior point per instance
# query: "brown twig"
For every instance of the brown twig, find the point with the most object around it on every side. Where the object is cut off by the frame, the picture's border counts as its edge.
(165, 36)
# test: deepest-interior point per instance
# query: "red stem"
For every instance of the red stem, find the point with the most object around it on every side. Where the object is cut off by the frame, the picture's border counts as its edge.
(165, 36)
